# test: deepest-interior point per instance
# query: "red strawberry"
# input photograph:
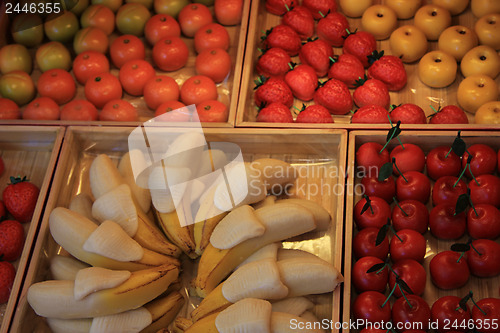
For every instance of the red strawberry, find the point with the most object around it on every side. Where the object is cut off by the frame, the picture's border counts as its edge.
(408, 114)
(450, 114)
(7, 275)
(347, 68)
(301, 20)
(371, 91)
(335, 96)
(272, 90)
(11, 239)
(273, 63)
(20, 198)
(370, 114)
(279, 7)
(314, 114)
(284, 37)
(388, 69)
(303, 82)
(317, 54)
(275, 113)
(318, 7)
(333, 29)
(360, 44)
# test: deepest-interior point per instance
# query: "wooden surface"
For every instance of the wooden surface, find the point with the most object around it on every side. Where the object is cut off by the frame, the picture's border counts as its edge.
(30, 152)
(228, 90)
(415, 91)
(482, 287)
(318, 154)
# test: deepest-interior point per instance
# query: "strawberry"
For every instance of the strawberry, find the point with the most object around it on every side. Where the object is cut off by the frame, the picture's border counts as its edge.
(272, 90)
(333, 29)
(408, 114)
(450, 114)
(320, 7)
(275, 113)
(370, 114)
(317, 54)
(371, 91)
(7, 275)
(301, 20)
(279, 7)
(335, 96)
(273, 63)
(314, 114)
(11, 239)
(284, 37)
(20, 198)
(302, 81)
(347, 68)
(388, 69)
(360, 44)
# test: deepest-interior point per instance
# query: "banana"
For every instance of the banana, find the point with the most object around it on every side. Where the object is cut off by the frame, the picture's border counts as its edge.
(65, 268)
(125, 168)
(162, 181)
(180, 236)
(181, 324)
(281, 222)
(205, 325)
(92, 279)
(287, 323)
(82, 204)
(71, 231)
(309, 316)
(69, 325)
(268, 251)
(163, 311)
(276, 173)
(321, 215)
(103, 176)
(267, 201)
(293, 305)
(131, 321)
(284, 254)
(55, 298)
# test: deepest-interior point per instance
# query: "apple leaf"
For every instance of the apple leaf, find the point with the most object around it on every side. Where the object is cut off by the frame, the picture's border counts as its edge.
(382, 234)
(385, 172)
(463, 301)
(376, 267)
(458, 145)
(460, 247)
(394, 131)
(368, 204)
(403, 285)
(462, 203)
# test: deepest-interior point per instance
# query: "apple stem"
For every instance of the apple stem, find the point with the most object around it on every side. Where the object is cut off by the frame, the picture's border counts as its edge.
(472, 246)
(475, 304)
(448, 153)
(390, 295)
(397, 204)
(473, 177)
(433, 109)
(461, 256)
(396, 234)
(460, 177)
(369, 203)
(397, 169)
(473, 208)
(406, 299)
(380, 270)
(320, 13)
(385, 146)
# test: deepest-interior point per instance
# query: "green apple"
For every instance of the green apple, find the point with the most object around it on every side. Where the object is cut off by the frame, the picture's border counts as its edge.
(53, 55)
(27, 29)
(15, 57)
(170, 7)
(114, 5)
(61, 27)
(17, 86)
(131, 19)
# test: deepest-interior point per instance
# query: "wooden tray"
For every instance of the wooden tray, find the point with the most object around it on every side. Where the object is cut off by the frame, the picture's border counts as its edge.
(426, 140)
(319, 154)
(228, 90)
(415, 91)
(30, 151)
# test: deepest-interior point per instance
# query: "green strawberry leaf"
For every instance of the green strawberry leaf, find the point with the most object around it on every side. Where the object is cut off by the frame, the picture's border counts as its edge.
(376, 55)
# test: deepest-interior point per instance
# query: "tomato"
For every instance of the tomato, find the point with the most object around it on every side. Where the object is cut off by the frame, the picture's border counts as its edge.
(98, 16)
(483, 222)
(131, 19)
(440, 163)
(88, 64)
(114, 5)
(102, 88)
(413, 185)
(15, 57)
(385, 189)
(364, 281)
(447, 310)
(170, 7)
(172, 111)
(79, 109)
(125, 48)
(378, 218)
(363, 244)
(61, 27)
(211, 36)
(53, 55)
(409, 158)
(491, 306)
(444, 224)
(27, 29)
(486, 261)
(411, 214)
(448, 270)
(368, 306)
(41, 108)
(413, 309)
(369, 159)
(170, 54)
(17, 86)
(192, 17)
(212, 111)
(408, 244)
(228, 12)
(487, 192)
(118, 110)
(159, 90)
(411, 272)
(9, 109)
(134, 75)
(90, 39)
(58, 85)
(445, 190)
(161, 26)
(214, 63)
(198, 89)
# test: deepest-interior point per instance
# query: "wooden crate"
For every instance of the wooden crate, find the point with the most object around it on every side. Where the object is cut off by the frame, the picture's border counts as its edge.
(427, 140)
(415, 91)
(228, 90)
(319, 155)
(30, 151)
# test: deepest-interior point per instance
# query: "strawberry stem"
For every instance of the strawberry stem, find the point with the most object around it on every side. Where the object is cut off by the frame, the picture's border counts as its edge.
(287, 8)
(320, 13)
(397, 204)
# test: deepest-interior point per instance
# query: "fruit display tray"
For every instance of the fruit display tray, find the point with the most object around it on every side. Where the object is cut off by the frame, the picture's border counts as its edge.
(30, 151)
(414, 92)
(427, 140)
(228, 90)
(319, 156)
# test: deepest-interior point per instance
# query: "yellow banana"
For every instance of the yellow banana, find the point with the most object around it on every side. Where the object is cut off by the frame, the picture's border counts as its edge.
(163, 311)
(180, 236)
